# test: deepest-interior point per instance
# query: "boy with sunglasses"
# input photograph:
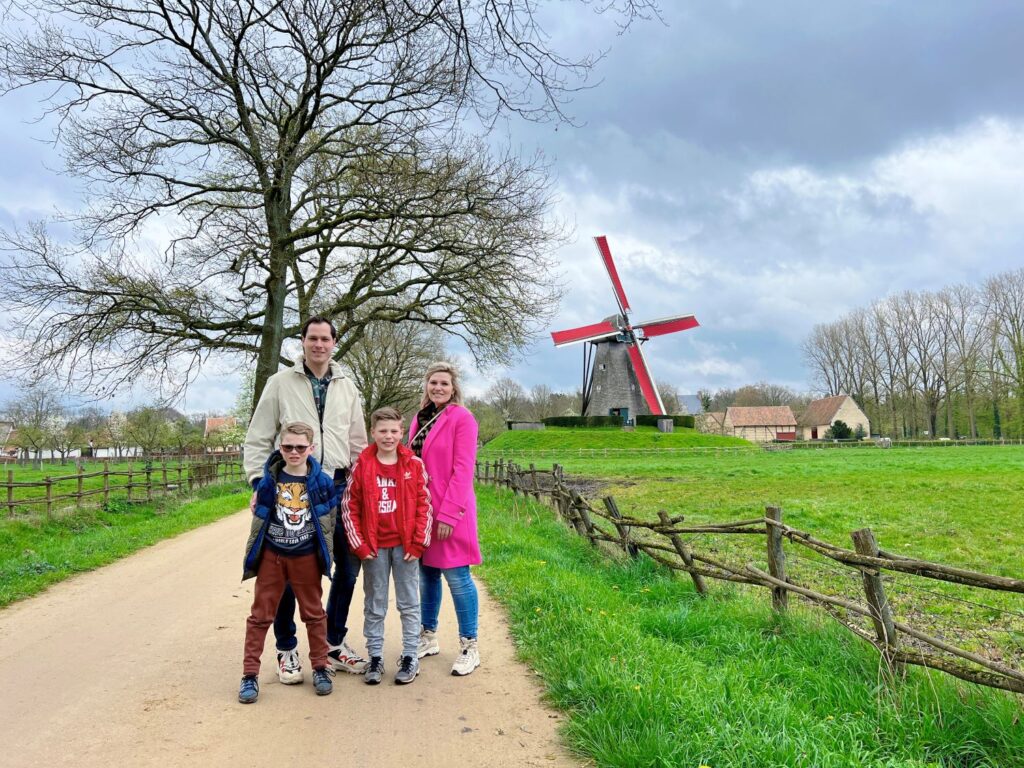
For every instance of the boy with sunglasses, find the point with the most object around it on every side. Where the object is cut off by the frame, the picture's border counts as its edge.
(290, 542)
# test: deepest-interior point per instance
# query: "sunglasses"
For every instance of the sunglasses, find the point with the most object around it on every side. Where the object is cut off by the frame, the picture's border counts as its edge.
(294, 448)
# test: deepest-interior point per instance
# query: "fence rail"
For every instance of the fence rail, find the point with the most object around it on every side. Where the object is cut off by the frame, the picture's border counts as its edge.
(131, 485)
(873, 620)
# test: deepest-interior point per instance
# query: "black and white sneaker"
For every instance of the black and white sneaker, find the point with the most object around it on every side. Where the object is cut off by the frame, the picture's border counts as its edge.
(375, 671)
(408, 668)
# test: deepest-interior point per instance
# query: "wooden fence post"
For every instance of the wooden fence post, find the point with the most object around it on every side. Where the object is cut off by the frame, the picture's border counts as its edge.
(776, 558)
(684, 552)
(10, 492)
(78, 495)
(584, 515)
(149, 481)
(536, 483)
(613, 510)
(164, 471)
(881, 616)
(487, 472)
(49, 497)
(106, 482)
(130, 471)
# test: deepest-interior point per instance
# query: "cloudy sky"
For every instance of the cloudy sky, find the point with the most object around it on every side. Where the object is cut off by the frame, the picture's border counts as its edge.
(763, 165)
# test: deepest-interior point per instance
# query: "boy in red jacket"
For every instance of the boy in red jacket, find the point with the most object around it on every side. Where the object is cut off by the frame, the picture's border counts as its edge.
(387, 517)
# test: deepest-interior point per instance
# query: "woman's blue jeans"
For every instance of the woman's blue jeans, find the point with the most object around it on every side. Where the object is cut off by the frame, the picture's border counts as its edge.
(460, 584)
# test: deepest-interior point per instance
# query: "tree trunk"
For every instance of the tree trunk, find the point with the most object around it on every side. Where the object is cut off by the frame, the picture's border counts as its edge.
(272, 334)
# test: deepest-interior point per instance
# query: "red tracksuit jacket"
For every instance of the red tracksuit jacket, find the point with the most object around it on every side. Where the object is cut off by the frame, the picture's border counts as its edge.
(361, 501)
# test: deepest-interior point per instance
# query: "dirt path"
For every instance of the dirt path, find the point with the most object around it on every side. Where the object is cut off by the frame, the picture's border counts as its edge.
(137, 664)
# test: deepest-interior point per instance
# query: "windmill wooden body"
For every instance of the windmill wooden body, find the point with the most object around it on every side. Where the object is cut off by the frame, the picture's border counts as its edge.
(616, 378)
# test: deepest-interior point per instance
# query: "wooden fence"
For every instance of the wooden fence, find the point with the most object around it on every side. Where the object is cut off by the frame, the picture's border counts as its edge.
(132, 484)
(872, 619)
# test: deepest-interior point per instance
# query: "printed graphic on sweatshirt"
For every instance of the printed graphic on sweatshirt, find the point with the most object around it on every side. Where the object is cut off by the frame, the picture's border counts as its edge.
(388, 501)
(292, 528)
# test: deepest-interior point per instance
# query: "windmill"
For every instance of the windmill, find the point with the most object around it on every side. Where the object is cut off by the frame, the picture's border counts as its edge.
(616, 378)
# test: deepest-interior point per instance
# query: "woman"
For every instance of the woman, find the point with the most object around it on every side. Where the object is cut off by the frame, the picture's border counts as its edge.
(443, 434)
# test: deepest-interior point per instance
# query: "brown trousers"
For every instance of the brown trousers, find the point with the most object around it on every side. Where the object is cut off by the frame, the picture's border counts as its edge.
(274, 573)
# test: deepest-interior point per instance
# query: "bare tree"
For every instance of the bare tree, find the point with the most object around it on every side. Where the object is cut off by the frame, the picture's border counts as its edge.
(507, 397)
(542, 402)
(388, 363)
(669, 397)
(34, 414)
(308, 159)
(1004, 294)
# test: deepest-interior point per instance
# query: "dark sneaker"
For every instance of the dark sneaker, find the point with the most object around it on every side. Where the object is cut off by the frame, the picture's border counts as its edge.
(249, 689)
(375, 671)
(408, 668)
(322, 681)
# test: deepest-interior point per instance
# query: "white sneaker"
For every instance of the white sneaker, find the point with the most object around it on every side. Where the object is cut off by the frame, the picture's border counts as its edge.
(428, 644)
(344, 659)
(289, 668)
(469, 659)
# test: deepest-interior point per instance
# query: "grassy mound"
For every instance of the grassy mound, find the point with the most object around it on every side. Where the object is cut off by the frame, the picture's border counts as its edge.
(563, 439)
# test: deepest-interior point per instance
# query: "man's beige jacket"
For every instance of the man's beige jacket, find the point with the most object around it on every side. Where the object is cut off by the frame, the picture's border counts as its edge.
(287, 397)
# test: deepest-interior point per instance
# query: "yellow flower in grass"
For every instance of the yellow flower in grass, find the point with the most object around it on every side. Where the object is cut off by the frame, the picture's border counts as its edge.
(636, 687)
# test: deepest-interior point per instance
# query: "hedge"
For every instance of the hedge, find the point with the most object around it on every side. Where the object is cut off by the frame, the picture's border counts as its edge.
(614, 421)
(652, 421)
(582, 421)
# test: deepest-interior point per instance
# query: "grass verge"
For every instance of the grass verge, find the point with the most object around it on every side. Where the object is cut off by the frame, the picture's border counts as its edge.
(37, 553)
(652, 675)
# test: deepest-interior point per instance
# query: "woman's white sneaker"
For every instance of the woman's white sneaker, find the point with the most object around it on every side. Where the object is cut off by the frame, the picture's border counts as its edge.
(428, 644)
(468, 659)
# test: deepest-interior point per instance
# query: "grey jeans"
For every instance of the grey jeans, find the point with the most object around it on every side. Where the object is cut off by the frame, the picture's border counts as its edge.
(376, 574)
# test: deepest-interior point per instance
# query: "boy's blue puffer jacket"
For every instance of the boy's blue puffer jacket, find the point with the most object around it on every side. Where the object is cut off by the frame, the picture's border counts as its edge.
(323, 498)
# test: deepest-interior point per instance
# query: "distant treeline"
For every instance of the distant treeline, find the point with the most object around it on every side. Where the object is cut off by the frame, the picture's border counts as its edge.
(947, 363)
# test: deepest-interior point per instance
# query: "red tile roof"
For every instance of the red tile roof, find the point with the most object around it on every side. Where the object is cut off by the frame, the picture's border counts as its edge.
(822, 412)
(213, 423)
(761, 416)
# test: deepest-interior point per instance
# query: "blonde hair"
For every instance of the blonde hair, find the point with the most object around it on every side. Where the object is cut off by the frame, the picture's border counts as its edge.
(442, 367)
(298, 428)
(385, 414)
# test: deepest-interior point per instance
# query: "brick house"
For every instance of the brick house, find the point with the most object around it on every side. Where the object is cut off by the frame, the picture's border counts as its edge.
(822, 414)
(760, 424)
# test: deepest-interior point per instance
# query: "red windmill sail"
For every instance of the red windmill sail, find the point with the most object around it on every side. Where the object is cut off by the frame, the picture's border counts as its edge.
(618, 330)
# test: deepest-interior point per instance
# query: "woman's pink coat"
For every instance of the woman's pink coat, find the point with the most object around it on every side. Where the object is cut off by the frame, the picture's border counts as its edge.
(449, 454)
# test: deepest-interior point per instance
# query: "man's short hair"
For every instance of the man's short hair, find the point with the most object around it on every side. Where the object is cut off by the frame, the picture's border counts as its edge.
(317, 319)
(298, 428)
(385, 414)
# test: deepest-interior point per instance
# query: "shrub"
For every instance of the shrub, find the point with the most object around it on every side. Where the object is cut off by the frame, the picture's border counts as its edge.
(839, 430)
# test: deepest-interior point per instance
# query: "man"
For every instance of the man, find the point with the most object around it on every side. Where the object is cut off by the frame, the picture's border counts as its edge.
(317, 392)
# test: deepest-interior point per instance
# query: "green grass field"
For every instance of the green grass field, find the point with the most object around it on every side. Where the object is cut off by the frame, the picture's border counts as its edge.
(35, 552)
(961, 506)
(561, 440)
(651, 675)
(65, 483)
